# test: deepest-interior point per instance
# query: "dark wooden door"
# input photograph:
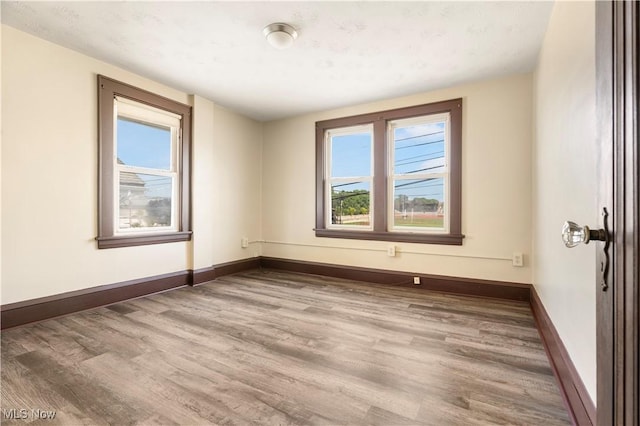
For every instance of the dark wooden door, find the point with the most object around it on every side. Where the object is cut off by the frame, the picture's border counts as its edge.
(617, 43)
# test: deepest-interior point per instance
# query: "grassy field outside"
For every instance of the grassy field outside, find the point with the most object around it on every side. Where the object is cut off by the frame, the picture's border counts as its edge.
(421, 222)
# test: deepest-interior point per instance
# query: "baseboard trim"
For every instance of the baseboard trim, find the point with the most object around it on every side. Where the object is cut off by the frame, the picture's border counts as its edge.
(33, 310)
(20, 313)
(201, 276)
(466, 286)
(579, 404)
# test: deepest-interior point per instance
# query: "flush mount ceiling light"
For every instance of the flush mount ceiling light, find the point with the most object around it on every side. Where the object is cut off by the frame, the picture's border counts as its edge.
(280, 35)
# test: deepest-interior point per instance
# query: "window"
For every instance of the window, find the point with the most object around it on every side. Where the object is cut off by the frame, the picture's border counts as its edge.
(392, 176)
(144, 178)
(350, 196)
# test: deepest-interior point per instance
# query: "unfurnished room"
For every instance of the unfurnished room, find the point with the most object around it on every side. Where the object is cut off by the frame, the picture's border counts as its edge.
(319, 213)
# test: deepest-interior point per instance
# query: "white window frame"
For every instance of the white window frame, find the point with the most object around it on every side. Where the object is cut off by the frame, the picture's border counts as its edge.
(345, 131)
(392, 177)
(155, 117)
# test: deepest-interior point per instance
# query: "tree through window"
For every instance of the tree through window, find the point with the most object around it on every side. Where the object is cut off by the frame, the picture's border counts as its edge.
(393, 175)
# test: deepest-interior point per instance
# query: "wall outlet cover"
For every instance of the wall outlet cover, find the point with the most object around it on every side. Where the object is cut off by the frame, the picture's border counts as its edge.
(517, 259)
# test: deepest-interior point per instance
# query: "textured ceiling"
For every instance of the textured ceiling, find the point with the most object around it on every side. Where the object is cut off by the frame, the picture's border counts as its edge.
(346, 52)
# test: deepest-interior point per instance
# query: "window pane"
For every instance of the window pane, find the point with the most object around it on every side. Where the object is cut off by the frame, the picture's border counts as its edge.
(143, 145)
(351, 204)
(351, 155)
(145, 200)
(419, 203)
(419, 148)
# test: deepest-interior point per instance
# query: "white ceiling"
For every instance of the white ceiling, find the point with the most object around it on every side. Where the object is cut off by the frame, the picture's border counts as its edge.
(346, 52)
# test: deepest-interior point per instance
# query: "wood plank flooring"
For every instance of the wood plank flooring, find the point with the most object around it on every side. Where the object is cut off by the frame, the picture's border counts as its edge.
(276, 348)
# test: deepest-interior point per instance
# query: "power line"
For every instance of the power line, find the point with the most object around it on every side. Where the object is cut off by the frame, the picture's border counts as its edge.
(428, 186)
(343, 196)
(414, 182)
(419, 144)
(420, 161)
(426, 168)
(346, 184)
(419, 136)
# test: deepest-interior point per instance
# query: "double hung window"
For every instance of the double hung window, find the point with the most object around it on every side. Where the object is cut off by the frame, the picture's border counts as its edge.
(349, 199)
(392, 175)
(144, 167)
(146, 164)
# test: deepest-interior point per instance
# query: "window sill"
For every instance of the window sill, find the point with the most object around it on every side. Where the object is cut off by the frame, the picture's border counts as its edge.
(142, 240)
(400, 237)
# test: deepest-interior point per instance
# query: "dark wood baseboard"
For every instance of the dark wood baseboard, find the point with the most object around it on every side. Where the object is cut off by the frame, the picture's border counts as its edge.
(28, 311)
(579, 403)
(467, 286)
(204, 275)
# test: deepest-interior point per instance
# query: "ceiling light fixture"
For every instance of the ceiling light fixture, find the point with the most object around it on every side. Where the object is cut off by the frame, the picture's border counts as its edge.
(279, 35)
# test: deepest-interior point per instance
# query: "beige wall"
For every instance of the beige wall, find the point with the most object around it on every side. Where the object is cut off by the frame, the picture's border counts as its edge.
(236, 185)
(496, 198)
(202, 175)
(49, 176)
(565, 179)
(257, 181)
(1, 132)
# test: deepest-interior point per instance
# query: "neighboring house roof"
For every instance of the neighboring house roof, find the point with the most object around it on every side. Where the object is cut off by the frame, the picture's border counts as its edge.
(130, 178)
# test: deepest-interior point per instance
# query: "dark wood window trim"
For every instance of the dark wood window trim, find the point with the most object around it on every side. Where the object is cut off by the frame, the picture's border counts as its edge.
(380, 121)
(108, 89)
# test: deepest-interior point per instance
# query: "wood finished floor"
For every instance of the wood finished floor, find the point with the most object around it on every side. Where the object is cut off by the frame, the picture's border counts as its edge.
(274, 348)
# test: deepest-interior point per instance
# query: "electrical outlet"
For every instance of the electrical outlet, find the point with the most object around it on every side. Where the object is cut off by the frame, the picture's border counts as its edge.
(517, 259)
(244, 242)
(416, 280)
(391, 251)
